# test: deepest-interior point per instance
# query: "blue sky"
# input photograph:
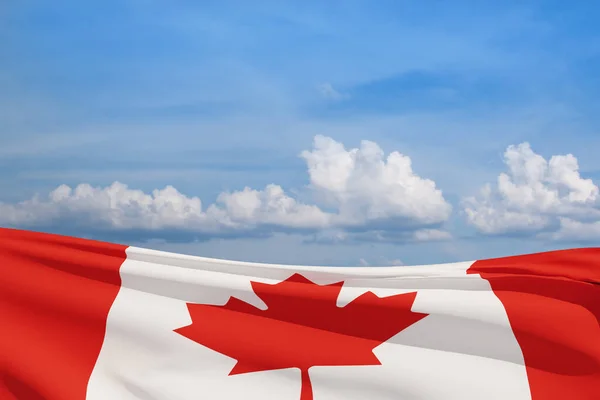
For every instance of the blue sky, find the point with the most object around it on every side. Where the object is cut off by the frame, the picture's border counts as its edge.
(212, 97)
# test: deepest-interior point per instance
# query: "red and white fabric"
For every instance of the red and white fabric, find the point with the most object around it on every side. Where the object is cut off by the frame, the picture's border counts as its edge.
(90, 320)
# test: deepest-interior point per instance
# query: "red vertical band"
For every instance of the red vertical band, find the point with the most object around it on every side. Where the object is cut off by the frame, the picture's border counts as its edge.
(55, 295)
(552, 301)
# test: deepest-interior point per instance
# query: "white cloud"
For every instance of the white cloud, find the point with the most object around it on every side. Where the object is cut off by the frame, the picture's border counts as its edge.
(369, 197)
(329, 92)
(270, 206)
(576, 230)
(423, 235)
(536, 195)
(365, 186)
(114, 206)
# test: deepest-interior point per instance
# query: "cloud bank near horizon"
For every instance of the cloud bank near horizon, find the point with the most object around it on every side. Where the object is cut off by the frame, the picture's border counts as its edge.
(360, 194)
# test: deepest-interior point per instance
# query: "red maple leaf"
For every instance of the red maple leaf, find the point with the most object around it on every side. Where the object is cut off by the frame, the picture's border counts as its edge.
(302, 327)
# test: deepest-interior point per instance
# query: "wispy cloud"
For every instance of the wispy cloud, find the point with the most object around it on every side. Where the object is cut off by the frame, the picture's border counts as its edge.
(330, 93)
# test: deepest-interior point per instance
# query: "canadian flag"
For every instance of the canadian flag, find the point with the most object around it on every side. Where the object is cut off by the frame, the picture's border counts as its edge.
(82, 319)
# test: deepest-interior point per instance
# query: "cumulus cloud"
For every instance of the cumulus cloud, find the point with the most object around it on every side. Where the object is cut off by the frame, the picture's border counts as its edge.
(366, 186)
(115, 206)
(367, 195)
(121, 208)
(537, 196)
(270, 206)
(576, 230)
